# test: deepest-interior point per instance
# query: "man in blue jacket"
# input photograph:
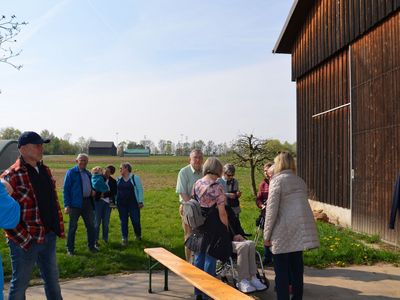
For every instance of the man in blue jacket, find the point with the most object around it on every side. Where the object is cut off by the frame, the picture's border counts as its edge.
(9, 218)
(78, 201)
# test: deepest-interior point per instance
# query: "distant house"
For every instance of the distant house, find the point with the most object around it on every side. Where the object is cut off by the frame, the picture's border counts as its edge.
(8, 153)
(102, 148)
(137, 152)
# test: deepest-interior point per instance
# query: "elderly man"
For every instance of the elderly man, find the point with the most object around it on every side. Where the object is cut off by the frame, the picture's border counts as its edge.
(186, 178)
(33, 241)
(78, 201)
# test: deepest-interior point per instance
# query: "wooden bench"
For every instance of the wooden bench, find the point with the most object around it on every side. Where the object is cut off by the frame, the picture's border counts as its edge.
(208, 284)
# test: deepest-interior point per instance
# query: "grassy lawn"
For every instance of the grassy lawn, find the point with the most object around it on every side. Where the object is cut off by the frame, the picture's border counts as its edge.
(161, 226)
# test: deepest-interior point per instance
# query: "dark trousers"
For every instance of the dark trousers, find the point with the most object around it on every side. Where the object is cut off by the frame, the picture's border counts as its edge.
(88, 218)
(131, 211)
(289, 269)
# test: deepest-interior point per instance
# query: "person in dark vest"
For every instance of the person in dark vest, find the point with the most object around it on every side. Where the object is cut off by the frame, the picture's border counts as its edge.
(129, 201)
(33, 241)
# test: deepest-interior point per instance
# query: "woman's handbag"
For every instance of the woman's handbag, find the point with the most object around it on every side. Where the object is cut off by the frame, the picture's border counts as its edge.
(196, 241)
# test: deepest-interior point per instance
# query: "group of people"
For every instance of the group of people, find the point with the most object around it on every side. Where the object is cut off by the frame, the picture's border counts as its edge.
(91, 195)
(288, 223)
(32, 218)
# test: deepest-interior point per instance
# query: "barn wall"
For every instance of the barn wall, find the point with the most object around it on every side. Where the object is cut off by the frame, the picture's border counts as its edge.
(375, 88)
(332, 25)
(323, 132)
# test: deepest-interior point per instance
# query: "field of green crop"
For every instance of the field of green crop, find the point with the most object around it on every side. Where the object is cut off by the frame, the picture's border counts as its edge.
(161, 225)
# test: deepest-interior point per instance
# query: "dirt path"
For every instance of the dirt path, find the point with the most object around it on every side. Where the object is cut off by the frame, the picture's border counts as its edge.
(358, 282)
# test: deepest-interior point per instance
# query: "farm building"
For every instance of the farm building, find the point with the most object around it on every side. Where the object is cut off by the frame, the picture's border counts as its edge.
(346, 64)
(102, 148)
(8, 153)
(137, 152)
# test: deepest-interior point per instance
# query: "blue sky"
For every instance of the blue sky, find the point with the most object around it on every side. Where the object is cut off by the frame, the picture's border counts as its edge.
(201, 69)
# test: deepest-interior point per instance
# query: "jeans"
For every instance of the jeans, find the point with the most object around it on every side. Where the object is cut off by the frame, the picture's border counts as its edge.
(102, 216)
(289, 269)
(88, 218)
(23, 262)
(131, 211)
(206, 263)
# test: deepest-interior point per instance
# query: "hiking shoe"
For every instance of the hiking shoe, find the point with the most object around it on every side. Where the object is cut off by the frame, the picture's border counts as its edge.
(245, 286)
(257, 284)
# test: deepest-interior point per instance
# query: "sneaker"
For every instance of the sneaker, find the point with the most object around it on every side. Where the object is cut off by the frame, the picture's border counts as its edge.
(258, 284)
(138, 238)
(70, 253)
(94, 250)
(124, 242)
(245, 286)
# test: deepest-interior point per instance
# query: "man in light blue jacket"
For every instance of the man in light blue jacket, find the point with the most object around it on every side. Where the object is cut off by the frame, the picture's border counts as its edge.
(78, 201)
(9, 218)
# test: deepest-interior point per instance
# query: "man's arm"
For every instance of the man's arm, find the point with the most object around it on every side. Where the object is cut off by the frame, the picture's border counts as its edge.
(67, 191)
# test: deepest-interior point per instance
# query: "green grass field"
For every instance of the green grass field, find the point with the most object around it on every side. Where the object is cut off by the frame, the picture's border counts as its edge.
(161, 225)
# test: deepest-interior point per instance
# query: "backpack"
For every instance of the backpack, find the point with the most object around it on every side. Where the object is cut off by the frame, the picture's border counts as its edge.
(192, 211)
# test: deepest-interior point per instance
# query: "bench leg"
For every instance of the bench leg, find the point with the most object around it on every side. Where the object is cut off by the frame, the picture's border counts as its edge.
(150, 268)
(166, 279)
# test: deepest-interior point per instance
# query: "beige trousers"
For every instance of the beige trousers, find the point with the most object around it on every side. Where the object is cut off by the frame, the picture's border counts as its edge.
(246, 259)
(186, 232)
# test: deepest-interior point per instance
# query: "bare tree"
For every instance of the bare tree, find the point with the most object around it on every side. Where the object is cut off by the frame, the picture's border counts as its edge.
(250, 152)
(9, 29)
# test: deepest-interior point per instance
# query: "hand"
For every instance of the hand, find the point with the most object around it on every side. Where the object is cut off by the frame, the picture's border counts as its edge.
(8, 187)
(66, 210)
(238, 194)
(238, 238)
(267, 243)
(232, 195)
(141, 205)
(93, 193)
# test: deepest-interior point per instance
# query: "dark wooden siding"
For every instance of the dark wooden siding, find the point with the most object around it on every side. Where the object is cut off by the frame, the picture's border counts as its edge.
(331, 26)
(112, 151)
(323, 146)
(375, 87)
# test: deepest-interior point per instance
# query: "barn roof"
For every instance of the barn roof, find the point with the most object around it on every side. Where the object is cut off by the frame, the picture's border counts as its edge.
(99, 144)
(4, 144)
(293, 24)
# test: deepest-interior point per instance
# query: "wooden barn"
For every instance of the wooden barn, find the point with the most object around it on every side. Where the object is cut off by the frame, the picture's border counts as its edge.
(346, 64)
(8, 153)
(102, 148)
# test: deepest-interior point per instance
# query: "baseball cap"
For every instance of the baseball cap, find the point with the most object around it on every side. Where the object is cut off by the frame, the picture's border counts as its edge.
(31, 137)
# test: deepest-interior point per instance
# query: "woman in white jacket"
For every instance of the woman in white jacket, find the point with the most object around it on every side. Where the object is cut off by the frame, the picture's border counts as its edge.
(289, 226)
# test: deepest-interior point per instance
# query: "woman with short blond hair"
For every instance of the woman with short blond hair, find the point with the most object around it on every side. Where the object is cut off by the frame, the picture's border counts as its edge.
(289, 226)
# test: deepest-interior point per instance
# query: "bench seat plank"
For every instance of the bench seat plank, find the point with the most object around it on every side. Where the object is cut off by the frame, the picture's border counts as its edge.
(208, 284)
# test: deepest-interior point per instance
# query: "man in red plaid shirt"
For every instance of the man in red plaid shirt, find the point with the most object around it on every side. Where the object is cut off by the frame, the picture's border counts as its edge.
(33, 241)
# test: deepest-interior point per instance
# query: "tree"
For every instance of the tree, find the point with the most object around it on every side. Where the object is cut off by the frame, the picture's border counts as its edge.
(9, 29)
(210, 149)
(9, 133)
(162, 145)
(249, 151)
(83, 144)
(198, 145)
(169, 148)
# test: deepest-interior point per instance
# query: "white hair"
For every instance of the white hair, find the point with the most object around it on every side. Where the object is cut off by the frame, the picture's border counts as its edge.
(80, 155)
